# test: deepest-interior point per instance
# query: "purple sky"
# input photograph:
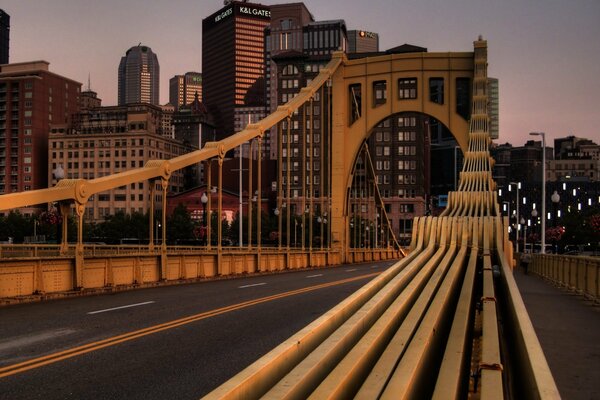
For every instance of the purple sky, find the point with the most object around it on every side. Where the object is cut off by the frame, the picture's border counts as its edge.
(546, 53)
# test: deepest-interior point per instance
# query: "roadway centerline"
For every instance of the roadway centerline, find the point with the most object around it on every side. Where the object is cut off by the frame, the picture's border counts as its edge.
(254, 284)
(121, 307)
(125, 337)
(352, 270)
(314, 276)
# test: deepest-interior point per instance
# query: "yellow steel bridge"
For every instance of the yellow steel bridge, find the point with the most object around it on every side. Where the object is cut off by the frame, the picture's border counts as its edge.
(446, 321)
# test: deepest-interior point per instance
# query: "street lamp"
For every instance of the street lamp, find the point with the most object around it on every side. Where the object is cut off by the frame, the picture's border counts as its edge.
(276, 212)
(543, 135)
(522, 221)
(518, 185)
(534, 215)
(204, 200)
(59, 173)
(555, 199)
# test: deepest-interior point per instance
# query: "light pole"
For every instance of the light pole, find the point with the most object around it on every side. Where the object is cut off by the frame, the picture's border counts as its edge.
(555, 199)
(276, 212)
(524, 235)
(534, 215)
(59, 173)
(518, 184)
(204, 200)
(543, 135)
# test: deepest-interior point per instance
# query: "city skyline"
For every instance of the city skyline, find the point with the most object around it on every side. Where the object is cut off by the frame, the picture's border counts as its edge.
(543, 53)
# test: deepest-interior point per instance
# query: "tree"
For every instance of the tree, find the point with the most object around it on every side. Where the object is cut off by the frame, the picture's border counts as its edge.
(180, 226)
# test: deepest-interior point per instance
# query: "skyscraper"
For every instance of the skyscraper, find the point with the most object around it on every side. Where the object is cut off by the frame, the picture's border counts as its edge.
(183, 89)
(139, 76)
(4, 36)
(363, 42)
(233, 61)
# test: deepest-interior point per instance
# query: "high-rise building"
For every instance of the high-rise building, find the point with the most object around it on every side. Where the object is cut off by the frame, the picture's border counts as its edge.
(493, 107)
(233, 61)
(139, 74)
(31, 98)
(363, 42)
(4, 36)
(183, 89)
(107, 140)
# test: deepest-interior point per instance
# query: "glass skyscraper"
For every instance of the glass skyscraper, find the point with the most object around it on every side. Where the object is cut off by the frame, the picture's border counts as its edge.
(139, 76)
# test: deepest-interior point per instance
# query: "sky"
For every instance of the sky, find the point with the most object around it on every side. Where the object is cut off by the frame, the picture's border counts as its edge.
(545, 53)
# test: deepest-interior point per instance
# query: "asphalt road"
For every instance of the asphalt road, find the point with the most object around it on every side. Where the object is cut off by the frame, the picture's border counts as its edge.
(175, 342)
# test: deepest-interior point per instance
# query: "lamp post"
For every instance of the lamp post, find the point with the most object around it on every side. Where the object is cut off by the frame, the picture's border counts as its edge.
(276, 212)
(555, 199)
(158, 226)
(518, 185)
(543, 135)
(204, 200)
(59, 173)
(522, 221)
(534, 215)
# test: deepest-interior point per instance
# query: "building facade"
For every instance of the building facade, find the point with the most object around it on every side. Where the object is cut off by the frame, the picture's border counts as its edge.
(139, 75)
(183, 89)
(31, 99)
(233, 61)
(109, 140)
(363, 42)
(494, 108)
(193, 126)
(576, 159)
(4, 37)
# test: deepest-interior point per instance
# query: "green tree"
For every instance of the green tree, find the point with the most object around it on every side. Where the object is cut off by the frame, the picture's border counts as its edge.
(180, 225)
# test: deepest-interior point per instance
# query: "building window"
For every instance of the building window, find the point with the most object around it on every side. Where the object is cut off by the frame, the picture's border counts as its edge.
(463, 97)
(380, 92)
(407, 88)
(355, 102)
(436, 90)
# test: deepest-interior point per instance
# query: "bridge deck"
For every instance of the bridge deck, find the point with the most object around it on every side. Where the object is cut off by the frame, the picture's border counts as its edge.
(569, 335)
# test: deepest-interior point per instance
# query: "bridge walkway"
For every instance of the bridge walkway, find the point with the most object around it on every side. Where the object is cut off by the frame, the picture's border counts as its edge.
(568, 328)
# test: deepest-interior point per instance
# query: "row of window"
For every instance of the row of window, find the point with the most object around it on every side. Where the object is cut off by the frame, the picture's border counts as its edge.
(408, 90)
(401, 165)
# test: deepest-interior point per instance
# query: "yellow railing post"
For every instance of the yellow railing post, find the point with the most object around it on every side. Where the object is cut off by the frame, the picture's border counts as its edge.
(163, 248)
(80, 210)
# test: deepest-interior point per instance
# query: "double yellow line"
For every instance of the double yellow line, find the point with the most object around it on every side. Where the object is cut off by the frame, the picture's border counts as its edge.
(87, 348)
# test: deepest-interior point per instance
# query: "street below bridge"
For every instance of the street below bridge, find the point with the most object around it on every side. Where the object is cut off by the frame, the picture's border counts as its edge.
(167, 342)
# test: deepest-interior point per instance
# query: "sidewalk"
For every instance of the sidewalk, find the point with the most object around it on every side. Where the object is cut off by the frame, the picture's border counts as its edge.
(568, 327)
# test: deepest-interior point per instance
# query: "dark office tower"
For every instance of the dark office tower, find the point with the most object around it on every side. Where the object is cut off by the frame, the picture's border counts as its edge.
(139, 76)
(233, 61)
(363, 42)
(4, 36)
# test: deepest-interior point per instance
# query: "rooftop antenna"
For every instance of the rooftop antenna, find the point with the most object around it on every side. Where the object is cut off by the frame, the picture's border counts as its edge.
(89, 88)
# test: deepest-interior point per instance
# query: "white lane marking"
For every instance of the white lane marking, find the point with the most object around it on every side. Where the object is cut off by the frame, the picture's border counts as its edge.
(314, 276)
(256, 284)
(26, 340)
(351, 270)
(118, 308)
(374, 266)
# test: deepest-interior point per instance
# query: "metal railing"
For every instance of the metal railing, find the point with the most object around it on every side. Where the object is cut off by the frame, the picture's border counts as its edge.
(579, 274)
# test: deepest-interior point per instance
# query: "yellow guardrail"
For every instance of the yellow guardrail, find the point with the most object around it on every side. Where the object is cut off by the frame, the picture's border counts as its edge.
(577, 273)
